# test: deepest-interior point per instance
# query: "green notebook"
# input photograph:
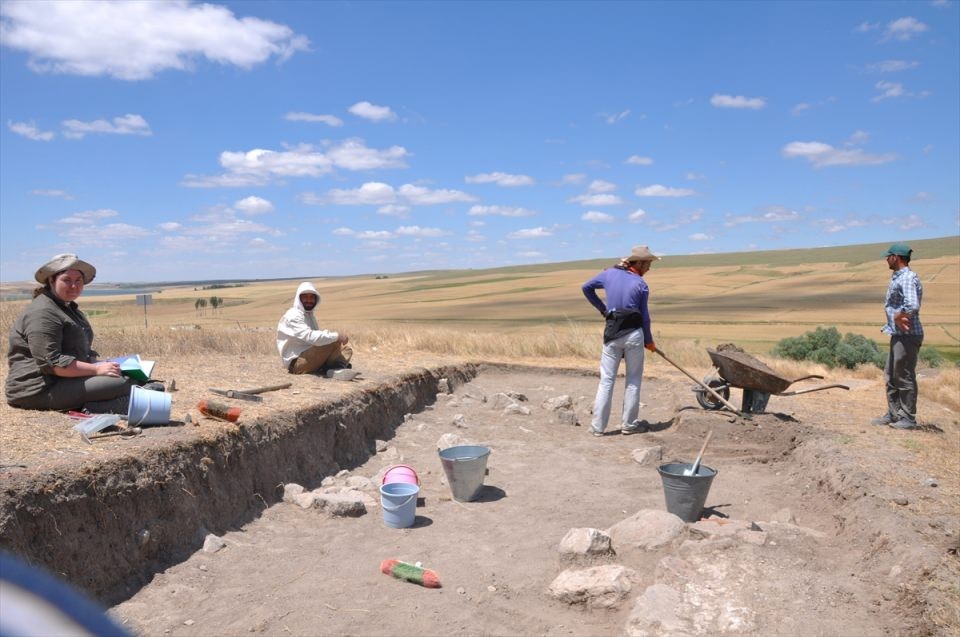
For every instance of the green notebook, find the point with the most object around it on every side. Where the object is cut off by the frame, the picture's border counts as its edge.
(135, 367)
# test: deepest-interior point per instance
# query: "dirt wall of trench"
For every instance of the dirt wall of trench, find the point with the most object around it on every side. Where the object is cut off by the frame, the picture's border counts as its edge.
(108, 527)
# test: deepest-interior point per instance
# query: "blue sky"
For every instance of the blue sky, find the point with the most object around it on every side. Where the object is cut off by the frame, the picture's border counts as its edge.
(178, 140)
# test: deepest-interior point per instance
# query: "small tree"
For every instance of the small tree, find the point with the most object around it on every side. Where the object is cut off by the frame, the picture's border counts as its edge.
(200, 305)
(827, 347)
(215, 303)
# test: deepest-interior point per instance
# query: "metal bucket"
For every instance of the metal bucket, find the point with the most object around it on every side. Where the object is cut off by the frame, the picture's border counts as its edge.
(685, 495)
(465, 466)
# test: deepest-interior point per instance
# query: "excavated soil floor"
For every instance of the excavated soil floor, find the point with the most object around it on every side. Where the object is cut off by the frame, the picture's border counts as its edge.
(855, 539)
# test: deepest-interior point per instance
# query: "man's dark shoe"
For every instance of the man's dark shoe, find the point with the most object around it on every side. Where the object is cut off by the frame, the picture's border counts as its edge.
(884, 420)
(904, 423)
(118, 405)
(635, 428)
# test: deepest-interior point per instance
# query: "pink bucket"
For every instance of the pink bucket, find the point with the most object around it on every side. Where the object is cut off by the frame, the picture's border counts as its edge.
(401, 473)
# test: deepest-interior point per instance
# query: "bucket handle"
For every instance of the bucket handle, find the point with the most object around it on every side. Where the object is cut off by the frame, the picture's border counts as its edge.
(144, 417)
(399, 506)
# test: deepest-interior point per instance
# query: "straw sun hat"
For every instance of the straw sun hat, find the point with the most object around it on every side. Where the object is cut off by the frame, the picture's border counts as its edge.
(641, 253)
(63, 262)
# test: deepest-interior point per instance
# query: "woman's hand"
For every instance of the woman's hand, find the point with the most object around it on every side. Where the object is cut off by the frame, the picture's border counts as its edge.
(107, 368)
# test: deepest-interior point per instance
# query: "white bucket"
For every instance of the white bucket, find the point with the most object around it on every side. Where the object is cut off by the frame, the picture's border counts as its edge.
(148, 407)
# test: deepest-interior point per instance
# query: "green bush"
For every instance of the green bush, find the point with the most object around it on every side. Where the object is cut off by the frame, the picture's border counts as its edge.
(827, 347)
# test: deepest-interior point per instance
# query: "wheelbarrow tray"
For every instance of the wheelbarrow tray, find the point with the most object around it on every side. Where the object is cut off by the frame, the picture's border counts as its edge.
(739, 369)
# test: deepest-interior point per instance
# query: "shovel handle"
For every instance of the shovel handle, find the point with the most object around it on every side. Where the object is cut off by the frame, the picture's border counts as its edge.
(696, 463)
(708, 388)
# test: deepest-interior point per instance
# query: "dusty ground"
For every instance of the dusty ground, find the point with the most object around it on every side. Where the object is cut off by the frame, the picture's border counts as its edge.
(872, 550)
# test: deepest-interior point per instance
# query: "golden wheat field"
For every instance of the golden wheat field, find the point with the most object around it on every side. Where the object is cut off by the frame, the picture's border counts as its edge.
(538, 313)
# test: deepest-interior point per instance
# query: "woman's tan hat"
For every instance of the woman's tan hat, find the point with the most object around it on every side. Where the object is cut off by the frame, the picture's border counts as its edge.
(641, 253)
(63, 262)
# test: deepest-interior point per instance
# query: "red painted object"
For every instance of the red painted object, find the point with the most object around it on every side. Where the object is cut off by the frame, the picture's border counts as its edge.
(219, 410)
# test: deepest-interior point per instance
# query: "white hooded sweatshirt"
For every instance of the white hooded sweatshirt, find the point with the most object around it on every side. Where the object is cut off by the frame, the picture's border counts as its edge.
(297, 331)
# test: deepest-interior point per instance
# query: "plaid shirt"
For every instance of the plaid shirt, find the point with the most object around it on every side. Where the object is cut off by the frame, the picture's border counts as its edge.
(904, 294)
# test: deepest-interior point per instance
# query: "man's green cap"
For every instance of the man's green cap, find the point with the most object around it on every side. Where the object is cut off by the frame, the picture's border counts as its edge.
(899, 249)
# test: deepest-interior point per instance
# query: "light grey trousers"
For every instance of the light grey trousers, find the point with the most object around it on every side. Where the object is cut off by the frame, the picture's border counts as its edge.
(900, 375)
(628, 347)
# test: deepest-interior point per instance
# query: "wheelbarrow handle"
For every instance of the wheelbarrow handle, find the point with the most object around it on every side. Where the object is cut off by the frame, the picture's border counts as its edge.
(708, 388)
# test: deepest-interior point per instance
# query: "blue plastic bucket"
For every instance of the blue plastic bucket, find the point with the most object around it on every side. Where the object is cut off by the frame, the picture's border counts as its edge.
(465, 466)
(399, 503)
(148, 407)
(685, 495)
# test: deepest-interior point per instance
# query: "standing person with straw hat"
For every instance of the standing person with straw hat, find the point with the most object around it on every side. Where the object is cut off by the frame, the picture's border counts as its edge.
(625, 335)
(52, 364)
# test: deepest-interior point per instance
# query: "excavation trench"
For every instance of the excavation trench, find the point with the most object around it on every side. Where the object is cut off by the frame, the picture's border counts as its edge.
(108, 527)
(831, 549)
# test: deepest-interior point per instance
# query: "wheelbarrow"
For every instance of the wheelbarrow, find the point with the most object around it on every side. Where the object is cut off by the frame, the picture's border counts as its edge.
(736, 368)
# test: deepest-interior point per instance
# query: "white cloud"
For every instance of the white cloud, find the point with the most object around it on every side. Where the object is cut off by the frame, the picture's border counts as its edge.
(136, 40)
(329, 120)
(394, 210)
(58, 194)
(771, 214)
(259, 166)
(700, 236)
(821, 155)
(531, 233)
(170, 226)
(639, 160)
(501, 179)
(865, 27)
(599, 185)
(372, 112)
(531, 254)
(420, 196)
(475, 237)
(889, 90)
(595, 216)
(637, 215)
(379, 194)
(30, 131)
(597, 200)
(253, 205)
(417, 231)
(799, 108)
(353, 154)
(574, 179)
(88, 217)
(737, 101)
(376, 235)
(892, 66)
(126, 125)
(500, 211)
(343, 232)
(657, 190)
(613, 119)
(903, 29)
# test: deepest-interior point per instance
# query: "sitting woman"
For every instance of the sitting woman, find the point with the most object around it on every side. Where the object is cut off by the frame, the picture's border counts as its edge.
(52, 365)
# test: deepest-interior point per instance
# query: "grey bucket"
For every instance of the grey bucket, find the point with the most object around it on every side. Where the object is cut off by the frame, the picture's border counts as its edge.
(465, 466)
(685, 495)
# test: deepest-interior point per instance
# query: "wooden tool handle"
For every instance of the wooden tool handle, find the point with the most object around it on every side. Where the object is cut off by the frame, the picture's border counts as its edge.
(261, 390)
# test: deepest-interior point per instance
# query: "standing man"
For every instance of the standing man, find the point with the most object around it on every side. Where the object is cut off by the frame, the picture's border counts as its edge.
(304, 347)
(625, 335)
(902, 306)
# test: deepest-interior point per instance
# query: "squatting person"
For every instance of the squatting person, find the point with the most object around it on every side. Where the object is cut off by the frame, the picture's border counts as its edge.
(902, 307)
(626, 334)
(304, 347)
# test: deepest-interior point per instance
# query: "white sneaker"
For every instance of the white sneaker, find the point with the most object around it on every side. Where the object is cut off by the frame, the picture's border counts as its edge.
(342, 374)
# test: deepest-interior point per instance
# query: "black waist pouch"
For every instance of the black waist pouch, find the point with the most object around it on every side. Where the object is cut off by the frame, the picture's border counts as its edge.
(620, 322)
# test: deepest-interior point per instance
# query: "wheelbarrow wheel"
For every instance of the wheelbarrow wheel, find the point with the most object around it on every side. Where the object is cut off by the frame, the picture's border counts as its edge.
(708, 400)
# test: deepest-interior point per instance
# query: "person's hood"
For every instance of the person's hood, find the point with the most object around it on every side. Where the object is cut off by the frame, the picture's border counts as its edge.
(306, 286)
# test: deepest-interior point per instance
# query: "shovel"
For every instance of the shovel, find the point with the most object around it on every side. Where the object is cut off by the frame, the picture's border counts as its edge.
(692, 471)
(709, 389)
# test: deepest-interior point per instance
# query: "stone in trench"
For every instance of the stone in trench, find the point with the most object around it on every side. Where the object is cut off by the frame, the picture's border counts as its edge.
(596, 587)
(443, 386)
(517, 409)
(339, 505)
(359, 482)
(656, 613)
(720, 527)
(585, 541)
(648, 455)
(557, 402)
(646, 529)
(380, 445)
(212, 543)
(450, 440)
(291, 490)
(500, 400)
(517, 396)
(459, 421)
(567, 417)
